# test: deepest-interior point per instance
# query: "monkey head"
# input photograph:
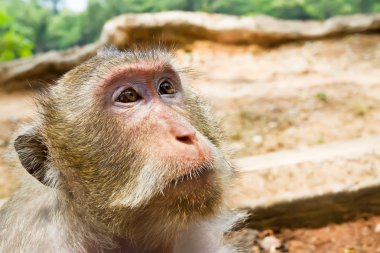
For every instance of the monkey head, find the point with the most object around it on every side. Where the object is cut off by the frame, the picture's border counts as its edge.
(126, 139)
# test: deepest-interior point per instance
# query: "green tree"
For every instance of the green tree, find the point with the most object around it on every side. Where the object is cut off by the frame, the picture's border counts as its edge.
(323, 9)
(52, 4)
(63, 31)
(12, 43)
(31, 20)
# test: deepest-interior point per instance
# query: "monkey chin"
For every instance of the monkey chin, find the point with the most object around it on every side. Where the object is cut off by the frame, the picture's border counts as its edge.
(194, 195)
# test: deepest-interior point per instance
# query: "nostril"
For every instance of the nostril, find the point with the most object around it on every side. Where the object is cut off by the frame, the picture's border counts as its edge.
(185, 139)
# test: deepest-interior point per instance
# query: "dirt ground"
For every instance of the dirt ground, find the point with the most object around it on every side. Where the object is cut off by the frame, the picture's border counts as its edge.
(294, 96)
(360, 236)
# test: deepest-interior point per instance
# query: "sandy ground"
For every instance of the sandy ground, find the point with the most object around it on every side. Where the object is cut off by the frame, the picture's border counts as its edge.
(362, 235)
(294, 96)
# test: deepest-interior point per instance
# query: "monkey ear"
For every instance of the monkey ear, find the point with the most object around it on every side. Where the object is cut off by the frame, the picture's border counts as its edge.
(33, 154)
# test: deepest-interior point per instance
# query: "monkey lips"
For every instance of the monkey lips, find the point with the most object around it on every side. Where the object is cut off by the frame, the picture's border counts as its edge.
(198, 175)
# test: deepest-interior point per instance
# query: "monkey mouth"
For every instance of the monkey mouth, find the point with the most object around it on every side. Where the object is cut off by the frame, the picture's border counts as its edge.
(195, 174)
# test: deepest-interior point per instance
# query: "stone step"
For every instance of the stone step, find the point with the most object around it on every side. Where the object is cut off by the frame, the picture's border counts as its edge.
(351, 148)
(311, 187)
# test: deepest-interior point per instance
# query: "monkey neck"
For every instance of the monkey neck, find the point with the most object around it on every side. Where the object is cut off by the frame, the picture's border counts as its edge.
(141, 233)
(80, 232)
(138, 242)
(126, 231)
(126, 246)
(149, 229)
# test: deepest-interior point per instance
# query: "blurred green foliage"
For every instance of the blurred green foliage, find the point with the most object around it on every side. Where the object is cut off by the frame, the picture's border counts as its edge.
(32, 26)
(13, 43)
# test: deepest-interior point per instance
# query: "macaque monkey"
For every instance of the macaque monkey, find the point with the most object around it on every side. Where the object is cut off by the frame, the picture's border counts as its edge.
(124, 157)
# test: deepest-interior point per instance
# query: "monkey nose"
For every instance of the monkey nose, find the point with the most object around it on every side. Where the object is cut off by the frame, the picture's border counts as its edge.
(187, 146)
(187, 138)
(184, 134)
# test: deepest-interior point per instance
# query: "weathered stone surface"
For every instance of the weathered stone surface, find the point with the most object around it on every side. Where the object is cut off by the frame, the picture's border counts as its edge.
(178, 28)
(184, 27)
(40, 70)
(312, 187)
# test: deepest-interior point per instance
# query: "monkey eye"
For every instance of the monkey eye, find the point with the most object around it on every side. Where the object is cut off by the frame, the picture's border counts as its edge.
(166, 87)
(128, 96)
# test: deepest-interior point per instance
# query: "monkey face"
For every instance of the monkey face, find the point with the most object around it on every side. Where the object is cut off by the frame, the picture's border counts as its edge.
(164, 157)
(147, 102)
(124, 132)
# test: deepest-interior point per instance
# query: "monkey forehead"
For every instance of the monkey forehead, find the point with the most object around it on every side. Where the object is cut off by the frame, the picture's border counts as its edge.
(115, 63)
(141, 70)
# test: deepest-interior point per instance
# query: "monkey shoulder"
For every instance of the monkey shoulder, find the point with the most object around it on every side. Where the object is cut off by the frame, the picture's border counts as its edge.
(30, 222)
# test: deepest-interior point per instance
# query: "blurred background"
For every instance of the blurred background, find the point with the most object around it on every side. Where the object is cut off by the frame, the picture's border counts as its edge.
(32, 26)
(295, 84)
